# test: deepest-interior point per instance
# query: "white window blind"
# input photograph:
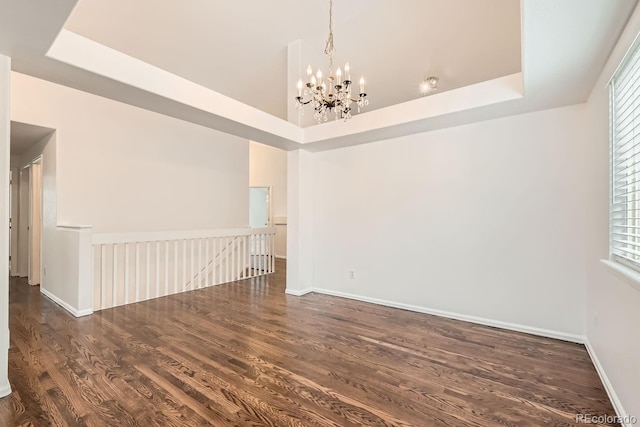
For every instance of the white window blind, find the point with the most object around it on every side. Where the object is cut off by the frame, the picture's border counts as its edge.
(625, 161)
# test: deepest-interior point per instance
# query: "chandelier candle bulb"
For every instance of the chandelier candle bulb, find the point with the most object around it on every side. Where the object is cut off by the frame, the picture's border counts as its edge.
(319, 74)
(347, 75)
(309, 73)
(361, 84)
(300, 87)
(339, 76)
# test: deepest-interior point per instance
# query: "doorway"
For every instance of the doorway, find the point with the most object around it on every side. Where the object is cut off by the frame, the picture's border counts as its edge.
(29, 221)
(28, 161)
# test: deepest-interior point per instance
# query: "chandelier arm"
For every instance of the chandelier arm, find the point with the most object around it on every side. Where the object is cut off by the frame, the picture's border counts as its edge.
(362, 95)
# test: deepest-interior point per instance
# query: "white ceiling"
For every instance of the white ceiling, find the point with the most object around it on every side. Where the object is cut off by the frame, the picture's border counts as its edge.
(239, 48)
(24, 136)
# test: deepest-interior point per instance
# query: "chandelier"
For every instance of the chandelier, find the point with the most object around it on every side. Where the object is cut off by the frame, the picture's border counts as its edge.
(334, 93)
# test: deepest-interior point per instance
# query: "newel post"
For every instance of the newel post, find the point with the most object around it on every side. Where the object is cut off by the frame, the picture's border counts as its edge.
(70, 271)
(85, 271)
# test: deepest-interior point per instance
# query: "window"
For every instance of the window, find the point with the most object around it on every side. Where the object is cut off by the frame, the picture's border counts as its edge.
(624, 91)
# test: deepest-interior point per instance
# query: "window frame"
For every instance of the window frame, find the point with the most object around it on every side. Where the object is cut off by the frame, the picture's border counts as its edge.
(629, 67)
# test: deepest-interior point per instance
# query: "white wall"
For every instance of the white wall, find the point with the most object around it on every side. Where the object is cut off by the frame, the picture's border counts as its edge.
(5, 77)
(300, 222)
(613, 303)
(119, 168)
(483, 221)
(122, 168)
(268, 168)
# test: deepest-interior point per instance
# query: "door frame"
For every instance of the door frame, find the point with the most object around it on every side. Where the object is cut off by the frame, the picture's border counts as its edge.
(14, 203)
(34, 275)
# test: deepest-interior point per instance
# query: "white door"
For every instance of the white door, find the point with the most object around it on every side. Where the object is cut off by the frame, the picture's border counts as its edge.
(258, 218)
(258, 207)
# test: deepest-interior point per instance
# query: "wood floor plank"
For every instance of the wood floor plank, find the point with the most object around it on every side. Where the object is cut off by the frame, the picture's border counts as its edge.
(247, 354)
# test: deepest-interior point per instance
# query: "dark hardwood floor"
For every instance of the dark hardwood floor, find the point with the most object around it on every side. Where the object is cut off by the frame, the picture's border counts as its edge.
(245, 354)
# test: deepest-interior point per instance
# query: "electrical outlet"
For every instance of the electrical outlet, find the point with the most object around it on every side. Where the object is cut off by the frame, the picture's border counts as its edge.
(44, 271)
(352, 274)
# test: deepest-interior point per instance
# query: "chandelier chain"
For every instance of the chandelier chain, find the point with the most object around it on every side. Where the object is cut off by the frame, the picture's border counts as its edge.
(329, 48)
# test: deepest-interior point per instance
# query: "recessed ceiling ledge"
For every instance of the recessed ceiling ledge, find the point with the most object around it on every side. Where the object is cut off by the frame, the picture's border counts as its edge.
(85, 54)
(93, 57)
(242, 120)
(482, 94)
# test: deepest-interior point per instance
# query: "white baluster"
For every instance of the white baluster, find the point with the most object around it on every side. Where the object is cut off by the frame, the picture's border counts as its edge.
(166, 267)
(262, 254)
(257, 256)
(199, 263)
(215, 261)
(114, 276)
(265, 237)
(273, 252)
(207, 263)
(233, 259)
(126, 273)
(148, 246)
(193, 271)
(184, 265)
(103, 275)
(269, 253)
(244, 257)
(251, 254)
(226, 258)
(137, 267)
(175, 266)
(157, 269)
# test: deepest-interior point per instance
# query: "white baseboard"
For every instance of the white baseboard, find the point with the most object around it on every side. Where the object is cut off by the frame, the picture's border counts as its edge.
(65, 305)
(5, 389)
(298, 293)
(580, 339)
(613, 397)
(473, 319)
